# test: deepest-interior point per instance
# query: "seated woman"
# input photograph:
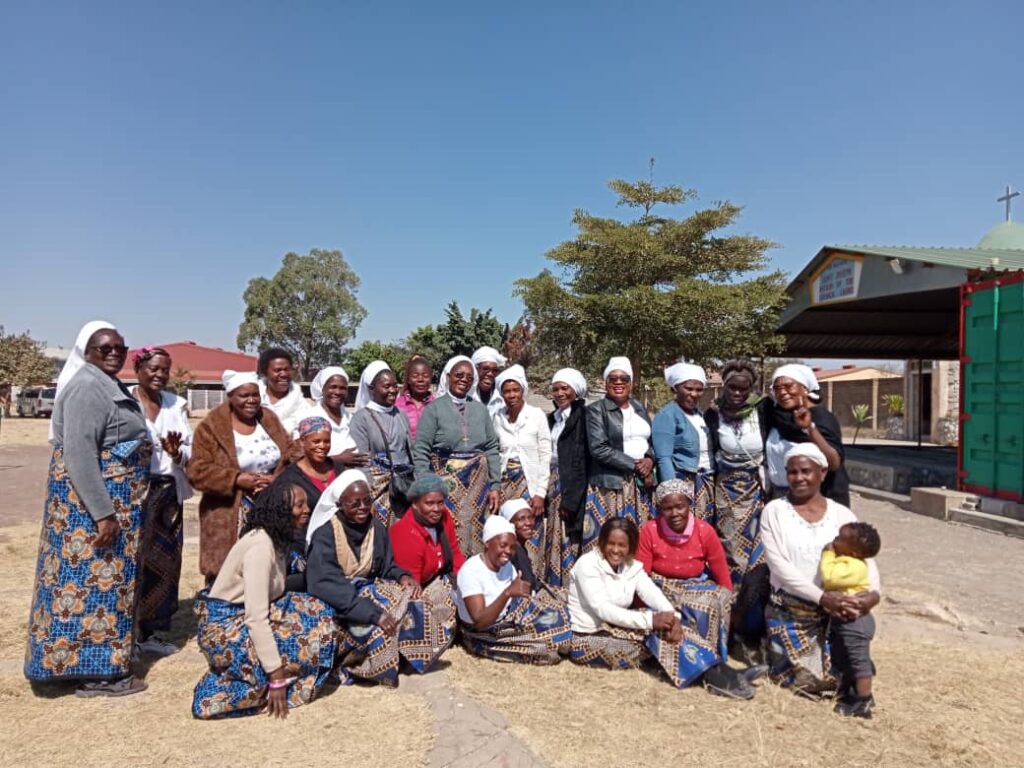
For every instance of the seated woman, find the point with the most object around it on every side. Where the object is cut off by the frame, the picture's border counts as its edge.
(608, 632)
(501, 617)
(520, 514)
(268, 649)
(794, 530)
(679, 551)
(381, 431)
(351, 567)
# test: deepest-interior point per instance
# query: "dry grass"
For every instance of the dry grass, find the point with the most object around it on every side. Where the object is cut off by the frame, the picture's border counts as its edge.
(939, 706)
(18, 431)
(156, 727)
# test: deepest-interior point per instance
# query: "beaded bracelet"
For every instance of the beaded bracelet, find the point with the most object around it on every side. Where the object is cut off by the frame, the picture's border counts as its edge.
(276, 684)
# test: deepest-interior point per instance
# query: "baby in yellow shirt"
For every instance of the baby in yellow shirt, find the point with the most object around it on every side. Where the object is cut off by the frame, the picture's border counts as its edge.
(843, 569)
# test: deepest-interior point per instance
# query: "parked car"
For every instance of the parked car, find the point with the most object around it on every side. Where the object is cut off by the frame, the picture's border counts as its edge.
(36, 401)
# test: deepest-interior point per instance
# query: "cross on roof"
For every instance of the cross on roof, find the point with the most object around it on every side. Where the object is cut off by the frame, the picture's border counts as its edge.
(1006, 199)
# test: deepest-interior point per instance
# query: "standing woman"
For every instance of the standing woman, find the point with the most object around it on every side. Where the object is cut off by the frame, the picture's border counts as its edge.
(681, 441)
(329, 390)
(416, 394)
(381, 431)
(278, 392)
(455, 439)
(236, 452)
(167, 422)
(82, 623)
(488, 363)
(793, 419)
(738, 428)
(621, 460)
(570, 460)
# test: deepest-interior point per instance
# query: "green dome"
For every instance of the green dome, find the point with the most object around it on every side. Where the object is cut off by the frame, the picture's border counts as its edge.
(1008, 235)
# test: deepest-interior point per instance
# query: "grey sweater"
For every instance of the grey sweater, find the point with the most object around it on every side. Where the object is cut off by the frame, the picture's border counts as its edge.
(368, 437)
(441, 430)
(94, 413)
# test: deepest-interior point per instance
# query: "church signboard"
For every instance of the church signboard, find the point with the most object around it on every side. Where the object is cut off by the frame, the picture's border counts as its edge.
(838, 279)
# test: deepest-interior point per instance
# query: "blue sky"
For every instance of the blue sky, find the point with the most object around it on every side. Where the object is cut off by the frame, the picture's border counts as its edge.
(155, 156)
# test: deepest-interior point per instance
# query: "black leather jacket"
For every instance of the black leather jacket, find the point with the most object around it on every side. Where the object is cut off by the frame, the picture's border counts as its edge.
(608, 464)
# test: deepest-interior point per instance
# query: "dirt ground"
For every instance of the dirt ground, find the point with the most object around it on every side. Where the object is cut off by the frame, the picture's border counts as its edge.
(950, 652)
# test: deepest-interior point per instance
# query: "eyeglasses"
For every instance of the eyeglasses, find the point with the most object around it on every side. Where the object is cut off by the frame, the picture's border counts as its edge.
(792, 386)
(359, 503)
(619, 379)
(461, 376)
(106, 349)
(486, 368)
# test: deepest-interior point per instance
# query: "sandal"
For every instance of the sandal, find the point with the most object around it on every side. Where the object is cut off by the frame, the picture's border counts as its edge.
(126, 686)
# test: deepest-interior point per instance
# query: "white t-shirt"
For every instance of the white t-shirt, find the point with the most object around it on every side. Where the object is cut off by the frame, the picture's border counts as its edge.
(775, 449)
(341, 439)
(257, 452)
(475, 578)
(697, 420)
(561, 416)
(635, 433)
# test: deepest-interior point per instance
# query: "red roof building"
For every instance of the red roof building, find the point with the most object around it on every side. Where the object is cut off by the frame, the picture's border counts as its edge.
(205, 364)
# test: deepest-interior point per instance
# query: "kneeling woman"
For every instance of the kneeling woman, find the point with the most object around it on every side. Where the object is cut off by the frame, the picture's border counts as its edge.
(607, 631)
(351, 567)
(267, 648)
(680, 551)
(502, 619)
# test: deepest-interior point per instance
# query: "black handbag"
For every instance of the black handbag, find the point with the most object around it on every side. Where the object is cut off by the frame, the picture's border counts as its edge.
(401, 479)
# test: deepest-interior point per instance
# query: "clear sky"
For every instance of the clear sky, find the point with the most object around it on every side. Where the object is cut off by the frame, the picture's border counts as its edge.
(155, 156)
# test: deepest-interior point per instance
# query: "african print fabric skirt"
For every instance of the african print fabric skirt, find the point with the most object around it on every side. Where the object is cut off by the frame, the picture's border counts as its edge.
(603, 504)
(426, 628)
(560, 552)
(739, 501)
(534, 630)
(704, 613)
(82, 622)
(380, 490)
(468, 484)
(160, 561)
(611, 648)
(799, 654)
(236, 683)
(703, 494)
(513, 486)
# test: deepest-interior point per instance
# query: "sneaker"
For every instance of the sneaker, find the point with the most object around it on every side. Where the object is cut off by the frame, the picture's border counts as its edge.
(154, 646)
(126, 686)
(856, 706)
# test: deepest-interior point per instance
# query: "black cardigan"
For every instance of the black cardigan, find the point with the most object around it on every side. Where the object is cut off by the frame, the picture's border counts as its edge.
(573, 466)
(837, 481)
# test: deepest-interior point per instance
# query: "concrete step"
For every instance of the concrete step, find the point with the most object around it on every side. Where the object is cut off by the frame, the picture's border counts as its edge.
(996, 523)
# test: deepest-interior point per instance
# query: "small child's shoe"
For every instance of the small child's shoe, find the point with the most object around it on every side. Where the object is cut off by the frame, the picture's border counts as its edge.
(856, 706)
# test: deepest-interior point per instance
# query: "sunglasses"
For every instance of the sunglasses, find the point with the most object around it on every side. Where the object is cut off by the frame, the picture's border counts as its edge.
(461, 376)
(106, 349)
(619, 379)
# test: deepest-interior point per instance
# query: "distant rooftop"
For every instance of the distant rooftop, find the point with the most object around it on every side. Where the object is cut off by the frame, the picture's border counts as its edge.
(205, 363)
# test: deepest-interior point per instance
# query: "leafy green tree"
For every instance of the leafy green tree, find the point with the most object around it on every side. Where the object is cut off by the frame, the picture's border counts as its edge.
(23, 361)
(309, 308)
(655, 288)
(427, 342)
(181, 381)
(357, 359)
(458, 335)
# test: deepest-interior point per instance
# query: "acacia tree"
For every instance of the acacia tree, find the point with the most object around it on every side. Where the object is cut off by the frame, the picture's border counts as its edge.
(309, 308)
(23, 360)
(655, 288)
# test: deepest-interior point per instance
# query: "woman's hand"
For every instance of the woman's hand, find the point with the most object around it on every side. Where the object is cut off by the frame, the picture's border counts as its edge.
(247, 481)
(493, 501)
(834, 604)
(277, 698)
(412, 586)
(537, 507)
(644, 467)
(387, 623)
(171, 443)
(352, 457)
(519, 588)
(675, 635)
(664, 621)
(802, 415)
(106, 530)
(855, 606)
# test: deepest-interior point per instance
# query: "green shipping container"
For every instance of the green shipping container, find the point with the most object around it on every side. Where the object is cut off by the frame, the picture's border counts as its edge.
(992, 387)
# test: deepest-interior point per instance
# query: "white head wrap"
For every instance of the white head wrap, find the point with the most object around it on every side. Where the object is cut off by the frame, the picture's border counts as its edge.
(442, 383)
(513, 373)
(574, 379)
(495, 526)
(811, 451)
(680, 372)
(232, 380)
(316, 387)
(76, 359)
(509, 508)
(371, 371)
(797, 372)
(328, 504)
(488, 355)
(618, 364)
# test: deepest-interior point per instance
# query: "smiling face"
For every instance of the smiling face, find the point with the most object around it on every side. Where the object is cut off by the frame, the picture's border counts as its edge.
(356, 504)
(384, 389)
(500, 549)
(619, 386)
(737, 390)
(316, 445)
(300, 508)
(245, 401)
(562, 394)
(106, 350)
(789, 393)
(688, 394)
(417, 380)
(675, 508)
(154, 374)
(487, 373)
(428, 509)
(804, 477)
(512, 394)
(616, 548)
(279, 376)
(460, 379)
(335, 393)
(523, 521)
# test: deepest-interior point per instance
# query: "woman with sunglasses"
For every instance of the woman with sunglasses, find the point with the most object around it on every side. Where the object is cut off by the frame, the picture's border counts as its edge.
(82, 624)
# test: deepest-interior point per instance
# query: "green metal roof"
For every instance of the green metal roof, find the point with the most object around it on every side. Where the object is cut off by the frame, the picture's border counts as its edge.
(1009, 234)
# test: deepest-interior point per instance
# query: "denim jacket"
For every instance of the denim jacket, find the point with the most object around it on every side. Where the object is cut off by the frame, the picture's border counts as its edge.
(676, 442)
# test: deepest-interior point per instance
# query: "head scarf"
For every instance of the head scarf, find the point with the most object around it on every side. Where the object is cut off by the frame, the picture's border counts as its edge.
(680, 372)
(232, 380)
(312, 424)
(442, 383)
(496, 525)
(799, 373)
(429, 483)
(618, 364)
(811, 451)
(513, 373)
(143, 354)
(667, 488)
(76, 360)
(316, 387)
(512, 506)
(364, 398)
(328, 505)
(574, 379)
(488, 355)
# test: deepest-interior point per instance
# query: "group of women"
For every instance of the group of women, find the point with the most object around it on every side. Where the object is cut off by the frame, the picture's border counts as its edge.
(356, 546)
